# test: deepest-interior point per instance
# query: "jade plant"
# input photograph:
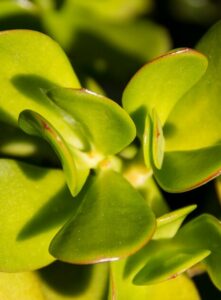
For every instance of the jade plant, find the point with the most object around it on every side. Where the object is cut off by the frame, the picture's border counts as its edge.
(82, 215)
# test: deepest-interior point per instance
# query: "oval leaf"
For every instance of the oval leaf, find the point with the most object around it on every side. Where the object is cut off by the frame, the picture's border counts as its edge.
(161, 83)
(108, 126)
(114, 221)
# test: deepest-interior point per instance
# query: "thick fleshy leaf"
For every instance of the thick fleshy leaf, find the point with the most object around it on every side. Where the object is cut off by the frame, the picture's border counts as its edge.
(113, 221)
(34, 205)
(26, 71)
(158, 142)
(164, 260)
(33, 123)
(61, 281)
(23, 286)
(168, 224)
(107, 125)
(192, 130)
(121, 287)
(193, 235)
(186, 170)
(161, 83)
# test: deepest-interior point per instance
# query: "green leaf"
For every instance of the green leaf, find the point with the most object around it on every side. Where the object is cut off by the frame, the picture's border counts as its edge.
(165, 260)
(34, 205)
(26, 71)
(33, 123)
(193, 235)
(121, 287)
(113, 221)
(168, 224)
(107, 125)
(161, 83)
(192, 129)
(23, 286)
(186, 170)
(158, 142)
(61, 281)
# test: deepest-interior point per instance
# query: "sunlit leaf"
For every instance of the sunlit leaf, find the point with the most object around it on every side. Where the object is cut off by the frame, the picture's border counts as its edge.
(192, 129)
(158, 142)
(168, 224)
(161, 83)
(29, 65)
(113, 221)
(23, 286)
(34, 205)
(107, 125)
(33, 123)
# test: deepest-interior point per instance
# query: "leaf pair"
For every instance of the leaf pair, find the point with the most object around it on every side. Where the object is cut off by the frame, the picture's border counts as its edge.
(188, 109)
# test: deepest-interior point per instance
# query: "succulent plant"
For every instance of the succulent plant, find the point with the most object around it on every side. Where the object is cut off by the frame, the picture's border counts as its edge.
(81, 215)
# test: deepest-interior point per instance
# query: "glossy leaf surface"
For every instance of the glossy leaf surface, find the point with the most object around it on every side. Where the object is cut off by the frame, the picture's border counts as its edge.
(168, 224)
(25, 286)
(121, 287)
(33, 123)
(193, 150)
(161, 83)
(107, 125)
(34, 205)
(113, 221)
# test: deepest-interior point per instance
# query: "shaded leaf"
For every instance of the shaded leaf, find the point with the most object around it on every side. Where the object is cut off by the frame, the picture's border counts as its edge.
(61, 281)
(34, 205)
